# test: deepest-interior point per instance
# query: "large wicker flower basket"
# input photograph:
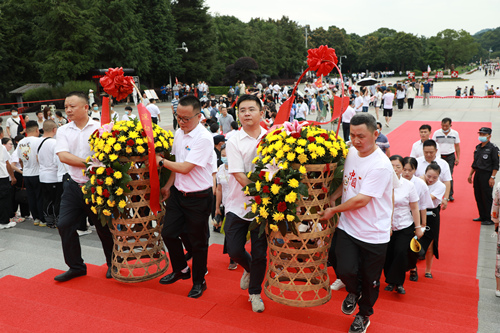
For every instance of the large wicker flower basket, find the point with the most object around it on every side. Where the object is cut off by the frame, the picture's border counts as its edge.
(138, 252)
(297, 271)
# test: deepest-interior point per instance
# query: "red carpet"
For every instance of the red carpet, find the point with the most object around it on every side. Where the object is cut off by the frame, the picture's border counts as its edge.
(447, 303)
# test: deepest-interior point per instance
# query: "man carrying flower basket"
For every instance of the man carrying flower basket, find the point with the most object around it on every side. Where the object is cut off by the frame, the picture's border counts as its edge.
(241, 149)
(363, 232)
(72, 147)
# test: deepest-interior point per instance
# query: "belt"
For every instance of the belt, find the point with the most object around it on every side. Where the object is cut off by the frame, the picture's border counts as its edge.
(447, 154)
(68, 178)
(198, 194)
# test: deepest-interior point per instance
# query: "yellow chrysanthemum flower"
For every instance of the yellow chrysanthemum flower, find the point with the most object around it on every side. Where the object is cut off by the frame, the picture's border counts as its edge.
(122, 204)
(99, 190)
(273, 227)
(254, 208)
(245, 206)
(284, 165)
(321, 151)
(247, 192)
(106, 212)
(109, 181)
(266, 201)
(107, 149)
(255, 160)
(278, 216)
(280, 154)
(333, 152)
(141, 150)
(139, 141)
(293, 183)
(128, 150)
(290, 218)
(286, 148)
(291, 140)
(302, 169)
(122, 139)
(100, 170)
(110, 203)
(312, 147)
(257, 219)
(111, 141)
(113, 157)
(299, 150)
(102, 157)
(249, 174)
(133, 135)
(87, 201)
(99, 200)
(119, 191)
(93, 210)
(301, 142)
(314, 156)
(291, 197)
(117, 147)
(290, 157)
(258, 185)
(320, 139)
(275, 189)
(93, 198)
(263, 212)
(266, 159)
(302, 158)
(264, 152)
(118, 175)
(105, 135)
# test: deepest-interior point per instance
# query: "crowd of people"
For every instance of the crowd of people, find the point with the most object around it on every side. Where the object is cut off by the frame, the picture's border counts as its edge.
(374, 230)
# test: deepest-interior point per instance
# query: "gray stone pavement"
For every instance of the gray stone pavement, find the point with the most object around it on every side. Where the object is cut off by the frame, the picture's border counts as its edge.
(27, 250)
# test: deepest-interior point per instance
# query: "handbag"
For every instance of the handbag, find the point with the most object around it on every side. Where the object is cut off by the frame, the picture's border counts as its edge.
(21, 195)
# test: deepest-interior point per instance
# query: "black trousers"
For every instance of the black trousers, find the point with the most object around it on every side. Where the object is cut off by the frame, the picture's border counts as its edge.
(236, 230)
(154, 120)
(346, 129)
(5, 203)
(483, 194)
(34, 191)
(51, 197)
(401, 102)
(73, 207)
(396, 260)
(359, 266)
(23, 207)
(450, 159)
(188, 215)
(410, 103)
(434, 223)
(175, 121)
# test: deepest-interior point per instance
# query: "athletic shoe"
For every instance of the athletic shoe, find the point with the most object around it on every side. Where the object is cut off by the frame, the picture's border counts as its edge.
(337, 285)
(42, 224)
(428, 275)
(350, 304)
(245, 280)
(400, 289)
(360, 324)
(257, 303)
(487, 223)
(83, 233)
(497, 293)
(390, 287)
(36, 222)
(8, 225)
(232, 266)
(414, 275)
(17, 219)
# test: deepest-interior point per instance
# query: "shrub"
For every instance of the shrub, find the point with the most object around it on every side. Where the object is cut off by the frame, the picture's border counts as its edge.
(417, 72)
(221, 90)
(58, 92)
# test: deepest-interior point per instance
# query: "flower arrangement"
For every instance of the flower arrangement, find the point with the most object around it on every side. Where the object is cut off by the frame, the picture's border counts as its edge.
(107, 186)
(276, 182)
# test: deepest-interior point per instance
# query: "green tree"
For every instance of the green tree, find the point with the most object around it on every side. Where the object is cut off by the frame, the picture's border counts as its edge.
(121, 36)
(291, 47)
(196, 29)
(264, 46)
(160, 27)
(65, 42)
(406, 51)
(458, 46)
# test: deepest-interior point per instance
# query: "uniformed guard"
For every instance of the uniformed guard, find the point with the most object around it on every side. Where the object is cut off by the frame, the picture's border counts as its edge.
(484, 169)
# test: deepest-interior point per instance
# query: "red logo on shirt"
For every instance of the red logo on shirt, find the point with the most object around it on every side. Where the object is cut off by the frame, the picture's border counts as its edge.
(352, 178)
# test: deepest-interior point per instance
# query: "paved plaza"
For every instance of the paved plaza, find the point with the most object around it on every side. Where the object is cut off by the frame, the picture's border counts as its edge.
(28, 250)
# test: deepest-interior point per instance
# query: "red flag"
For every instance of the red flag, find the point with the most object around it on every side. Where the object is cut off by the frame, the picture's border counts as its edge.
(176, 81)
(23, 123)
(318, 83)
(284, 111)
(105, 115)
(154, 180)
(235, 101)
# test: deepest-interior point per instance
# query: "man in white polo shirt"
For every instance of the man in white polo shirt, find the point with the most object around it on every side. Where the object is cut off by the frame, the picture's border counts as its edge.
(448, 142)
(72, 148)
(363, 232)
(154, 110)
(189, 195)
(430, 154)
(241, 149)
(417, 150)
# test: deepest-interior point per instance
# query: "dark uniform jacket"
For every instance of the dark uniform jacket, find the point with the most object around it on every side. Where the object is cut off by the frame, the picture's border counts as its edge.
(486, 158)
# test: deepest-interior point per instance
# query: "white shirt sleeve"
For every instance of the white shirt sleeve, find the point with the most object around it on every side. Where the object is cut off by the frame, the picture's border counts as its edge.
(234, 158)
(198, 153)
(371, 185)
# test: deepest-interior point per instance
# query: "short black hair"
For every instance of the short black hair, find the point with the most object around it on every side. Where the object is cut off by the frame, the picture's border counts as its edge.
(151, 100)
(412, 161)
(59, 113)
(249, 98)
(234, 125)
(379, 124)
(4, 140)
(446, 120)
(128, 107)
(429, 143)
(80, 94)
(38, 112)
(13, 109)
(397, 158)
(365, 118)
(31, 124)
(425, 127)
(214, 127)
(1, 129)
(434, 166)
(191, 100)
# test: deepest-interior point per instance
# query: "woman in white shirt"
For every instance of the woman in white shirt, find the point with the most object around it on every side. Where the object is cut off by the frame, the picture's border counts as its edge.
(430, 239)
(424, 200)
(377, 101)
(402, 230)
(222, 197)
(410, 95)
(366, 100)
(400, 96)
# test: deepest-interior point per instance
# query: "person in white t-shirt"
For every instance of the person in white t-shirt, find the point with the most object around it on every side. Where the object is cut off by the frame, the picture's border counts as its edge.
(363, 232)
(388, 99)
(358, 102)
(27, 152)
(405, 224)
(128, 114)
(5, 187)
(346, 120)
(154, 110)
(417, 149)
(189, 194)
(241, 150)
(13, 123)
(52, 188)
(430, 240)
(303, 110)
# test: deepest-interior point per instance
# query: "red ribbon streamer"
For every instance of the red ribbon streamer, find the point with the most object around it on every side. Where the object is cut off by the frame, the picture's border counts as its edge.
(154, 180)
(105, 116)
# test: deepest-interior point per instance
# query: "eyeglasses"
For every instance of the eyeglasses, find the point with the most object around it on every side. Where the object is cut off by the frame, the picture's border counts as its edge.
(184, 119)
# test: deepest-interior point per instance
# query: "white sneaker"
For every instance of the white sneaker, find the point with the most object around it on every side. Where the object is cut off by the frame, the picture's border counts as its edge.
(8, 225)
(337, 285)
(83, 233)
(497, 293)
(257, 303)
(245, 281)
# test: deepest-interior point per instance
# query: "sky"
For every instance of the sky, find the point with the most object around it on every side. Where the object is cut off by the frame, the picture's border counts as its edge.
(419, 17)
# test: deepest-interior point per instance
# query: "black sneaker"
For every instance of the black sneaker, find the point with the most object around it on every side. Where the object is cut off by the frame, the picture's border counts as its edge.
(360, 324)
(350, 303)
(414, 276)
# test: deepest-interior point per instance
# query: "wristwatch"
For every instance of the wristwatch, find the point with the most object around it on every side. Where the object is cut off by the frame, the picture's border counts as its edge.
(493, 177)
(161, 163)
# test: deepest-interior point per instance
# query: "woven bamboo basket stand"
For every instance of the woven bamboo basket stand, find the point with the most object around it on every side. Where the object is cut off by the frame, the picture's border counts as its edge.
(297, 271)
(138, 252)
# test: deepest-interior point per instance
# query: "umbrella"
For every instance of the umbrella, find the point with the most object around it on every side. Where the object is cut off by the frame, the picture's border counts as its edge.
(367, 82)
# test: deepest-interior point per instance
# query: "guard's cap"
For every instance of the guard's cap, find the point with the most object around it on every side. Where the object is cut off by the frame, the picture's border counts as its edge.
(485, 130)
